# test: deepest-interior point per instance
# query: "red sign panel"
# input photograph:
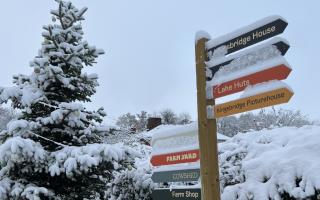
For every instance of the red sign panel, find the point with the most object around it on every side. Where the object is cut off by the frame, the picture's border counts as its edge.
(279, 72)
(175, 158)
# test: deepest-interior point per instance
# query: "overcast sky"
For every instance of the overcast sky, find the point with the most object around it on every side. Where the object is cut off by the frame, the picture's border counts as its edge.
(149, 61)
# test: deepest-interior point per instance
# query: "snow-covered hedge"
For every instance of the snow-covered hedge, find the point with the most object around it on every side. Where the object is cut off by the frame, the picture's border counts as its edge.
(134, 182)
(276, 164)
(131, 184)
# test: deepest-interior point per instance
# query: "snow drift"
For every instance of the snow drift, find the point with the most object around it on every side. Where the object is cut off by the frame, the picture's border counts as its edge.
(276, 164)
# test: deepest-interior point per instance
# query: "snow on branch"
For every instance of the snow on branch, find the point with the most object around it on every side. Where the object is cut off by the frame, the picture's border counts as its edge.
(70, 160)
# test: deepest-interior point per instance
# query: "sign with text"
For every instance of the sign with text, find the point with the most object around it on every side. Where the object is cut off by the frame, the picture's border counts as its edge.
(262, 100)
(280, 43)
(279, 72)
(182, 175)
(252, 34)
(175, 158)
(177, 194)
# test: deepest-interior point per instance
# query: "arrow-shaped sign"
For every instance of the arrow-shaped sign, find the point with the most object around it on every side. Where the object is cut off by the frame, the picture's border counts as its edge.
(181, 175)
(249, 35)
(278, 72)
(271, 98)
(175, 158)
(281, 44)
(177, 194)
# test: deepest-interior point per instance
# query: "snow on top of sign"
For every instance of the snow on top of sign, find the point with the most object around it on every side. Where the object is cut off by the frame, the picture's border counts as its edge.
(218, 53)
(202, 34)
(173, 187)
(196, 186)
(248, 65)
(176, 142)
(174, 149)
(219, 40)
(245, 52)
(166, 131)
(176, 138)
(169, 133)
(252, 90)
(176, 167)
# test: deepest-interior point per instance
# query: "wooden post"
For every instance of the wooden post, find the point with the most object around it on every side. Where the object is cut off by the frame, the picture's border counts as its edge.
(209, 168)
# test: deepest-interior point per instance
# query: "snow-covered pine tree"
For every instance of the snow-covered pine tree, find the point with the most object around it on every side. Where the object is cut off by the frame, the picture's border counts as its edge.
(54, 150)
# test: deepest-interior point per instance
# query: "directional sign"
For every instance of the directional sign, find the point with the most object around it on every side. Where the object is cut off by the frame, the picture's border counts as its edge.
(262, 100)
(279, 72)
(183, 175)
(175, 158)
(177, 194)
(252, 34)
(280, 43)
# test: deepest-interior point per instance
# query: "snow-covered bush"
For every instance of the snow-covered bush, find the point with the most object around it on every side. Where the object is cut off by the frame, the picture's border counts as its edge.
(55, 149)
(133, 182)
(282, 163)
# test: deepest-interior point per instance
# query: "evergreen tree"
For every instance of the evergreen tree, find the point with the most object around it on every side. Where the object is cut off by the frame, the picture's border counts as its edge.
(54, 150)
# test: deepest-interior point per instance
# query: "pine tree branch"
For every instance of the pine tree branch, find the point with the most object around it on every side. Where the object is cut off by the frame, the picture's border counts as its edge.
(47, 139)
(60, 15)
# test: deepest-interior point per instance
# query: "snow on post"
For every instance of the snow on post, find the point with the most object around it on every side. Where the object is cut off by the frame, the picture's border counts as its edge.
(200, 35)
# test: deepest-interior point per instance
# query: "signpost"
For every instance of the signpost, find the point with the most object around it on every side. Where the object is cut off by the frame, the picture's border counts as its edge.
(252, 34)
(182, 175)
(272, 94)
(177, 194)
(279, 72)
(265, 99)
(209, 169)
(175, 158)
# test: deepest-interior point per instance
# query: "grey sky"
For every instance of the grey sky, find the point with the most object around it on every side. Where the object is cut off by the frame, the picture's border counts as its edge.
(149, 60)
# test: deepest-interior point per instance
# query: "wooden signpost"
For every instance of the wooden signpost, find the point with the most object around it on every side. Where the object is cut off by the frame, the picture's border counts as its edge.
(183, 175)
(175, 158)
(177, 194)
(242, 38)
(279, 72)
(272, 94)
(252, 34)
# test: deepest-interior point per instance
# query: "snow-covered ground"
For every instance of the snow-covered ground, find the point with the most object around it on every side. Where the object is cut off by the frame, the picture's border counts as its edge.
(281, 163)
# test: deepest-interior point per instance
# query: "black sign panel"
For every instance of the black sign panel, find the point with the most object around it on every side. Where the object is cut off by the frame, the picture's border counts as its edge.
(281, 46)
(177, 194)
(257, 34)
(176, 176)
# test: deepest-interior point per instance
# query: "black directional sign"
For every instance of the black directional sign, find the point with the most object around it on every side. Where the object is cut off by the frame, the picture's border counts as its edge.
(176, 176)
(282, 46)
(250, 35)
(177, 194)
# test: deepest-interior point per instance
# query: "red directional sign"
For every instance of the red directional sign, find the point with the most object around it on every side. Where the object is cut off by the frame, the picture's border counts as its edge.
(175, 158)
(279, 72)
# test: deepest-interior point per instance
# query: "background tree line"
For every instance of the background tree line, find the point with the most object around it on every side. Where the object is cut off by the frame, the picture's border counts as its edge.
(230, 126)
